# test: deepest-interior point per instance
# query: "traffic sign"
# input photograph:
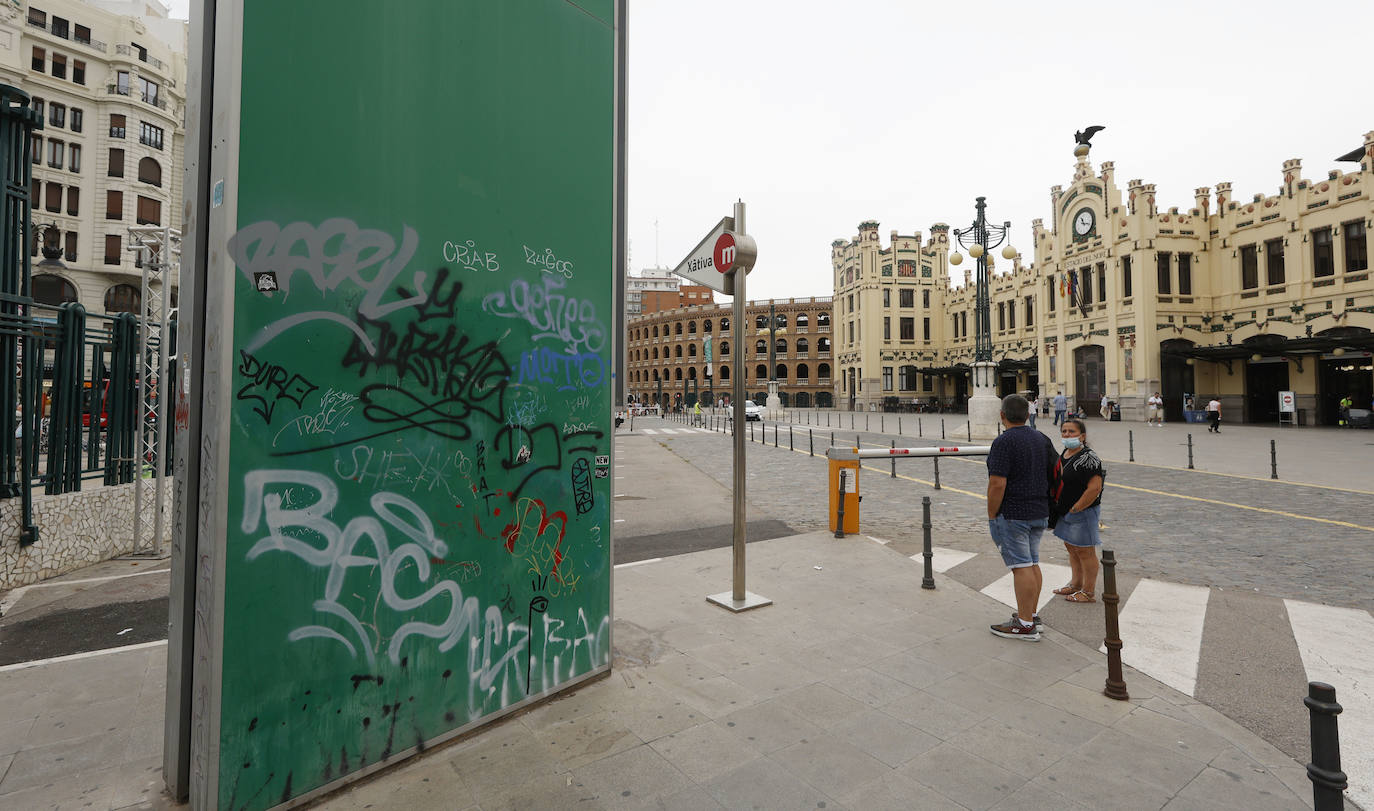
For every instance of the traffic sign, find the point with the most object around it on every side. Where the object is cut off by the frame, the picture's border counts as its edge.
(714, 261)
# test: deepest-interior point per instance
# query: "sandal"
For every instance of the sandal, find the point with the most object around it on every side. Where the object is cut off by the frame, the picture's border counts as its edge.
(1081, 596)
(1067, 589)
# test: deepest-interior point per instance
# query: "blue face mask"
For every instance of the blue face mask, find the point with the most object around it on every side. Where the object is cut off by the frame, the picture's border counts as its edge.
(1071, 442)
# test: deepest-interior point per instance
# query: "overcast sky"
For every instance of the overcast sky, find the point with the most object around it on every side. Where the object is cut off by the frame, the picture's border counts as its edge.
(821, 115)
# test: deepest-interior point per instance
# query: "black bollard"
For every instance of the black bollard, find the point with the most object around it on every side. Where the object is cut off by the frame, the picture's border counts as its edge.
(1328, 781)
(832, 439)
(839, 515)
(927, 582)
(790, 446)
(1273, 460)
(1116, 685)
(775, 434)
(969, 425)
(882, 423)
(1190, 452)
(851, 419)
(894, 459)
(856, 441)
(1130, 443)
(937, 472)
(865, 421)
(942, 427)
(751, 431)
(811, 437)
(919, 431)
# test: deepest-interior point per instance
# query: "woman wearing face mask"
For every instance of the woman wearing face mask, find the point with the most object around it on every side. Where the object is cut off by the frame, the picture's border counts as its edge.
(1077, 503)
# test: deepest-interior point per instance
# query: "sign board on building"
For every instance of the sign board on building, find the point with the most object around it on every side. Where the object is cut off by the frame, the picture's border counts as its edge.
(718, 253)
(1286, 403)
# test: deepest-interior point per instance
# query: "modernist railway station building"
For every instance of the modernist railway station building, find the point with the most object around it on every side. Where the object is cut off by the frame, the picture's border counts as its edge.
(679, 355)
(1236, 298)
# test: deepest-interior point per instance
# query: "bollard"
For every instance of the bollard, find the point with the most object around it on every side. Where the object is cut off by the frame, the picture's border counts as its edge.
(1273, 460)
(894, 459)
(919, 431)
(751, 431)
(899, 425)
(969, 425)
(865, 421)
(790, 445)
(942, 427)
(832, 439)
(1190, 452)
(856, 441)
(1116, 685)
(839, 517)
(1130, 443)
(851, 419)
(827, 419)
(882, 423)
(775, 434)
(937, 471)
(1328, 781)
(811, 437)
(927, 582)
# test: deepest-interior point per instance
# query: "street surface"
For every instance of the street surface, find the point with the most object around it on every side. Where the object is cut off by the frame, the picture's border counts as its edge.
(1234, 590)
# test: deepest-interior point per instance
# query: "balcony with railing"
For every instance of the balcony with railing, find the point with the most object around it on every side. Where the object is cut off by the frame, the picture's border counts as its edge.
(142, 55)
(72, 36)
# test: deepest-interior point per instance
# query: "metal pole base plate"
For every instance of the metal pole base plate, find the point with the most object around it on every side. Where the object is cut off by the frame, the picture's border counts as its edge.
(726, 599)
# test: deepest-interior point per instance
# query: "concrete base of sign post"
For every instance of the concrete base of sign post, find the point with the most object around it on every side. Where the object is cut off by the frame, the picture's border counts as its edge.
(984, 407)
(726, 599)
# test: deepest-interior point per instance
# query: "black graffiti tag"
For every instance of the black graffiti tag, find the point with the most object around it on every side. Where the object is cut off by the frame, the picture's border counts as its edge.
(269, 384)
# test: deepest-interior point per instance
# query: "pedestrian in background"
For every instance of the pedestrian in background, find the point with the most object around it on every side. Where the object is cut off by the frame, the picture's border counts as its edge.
(1214, 415)
(1106, 409)
(1061, 405)
(1154, 410)
(1077, 510)
(1020, 465)
(1034, 408)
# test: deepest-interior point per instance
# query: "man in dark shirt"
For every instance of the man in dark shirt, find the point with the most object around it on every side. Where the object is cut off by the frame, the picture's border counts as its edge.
(1020, 465)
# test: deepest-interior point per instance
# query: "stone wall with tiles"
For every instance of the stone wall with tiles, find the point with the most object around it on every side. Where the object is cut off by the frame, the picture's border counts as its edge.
(74, 530)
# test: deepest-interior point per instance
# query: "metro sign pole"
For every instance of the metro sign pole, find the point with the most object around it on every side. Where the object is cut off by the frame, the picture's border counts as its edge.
(721, 261)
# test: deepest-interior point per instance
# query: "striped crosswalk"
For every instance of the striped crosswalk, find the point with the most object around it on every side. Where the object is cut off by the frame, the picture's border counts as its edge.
(1162, 625)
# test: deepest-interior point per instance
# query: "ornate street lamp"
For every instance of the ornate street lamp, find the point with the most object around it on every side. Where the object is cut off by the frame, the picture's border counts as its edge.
(52, 252)
(984, 406)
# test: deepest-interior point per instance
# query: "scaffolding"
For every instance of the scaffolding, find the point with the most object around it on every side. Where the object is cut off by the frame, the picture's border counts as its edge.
(158, 249)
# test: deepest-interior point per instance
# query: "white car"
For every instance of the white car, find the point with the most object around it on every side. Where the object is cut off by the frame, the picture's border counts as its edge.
(752, 411)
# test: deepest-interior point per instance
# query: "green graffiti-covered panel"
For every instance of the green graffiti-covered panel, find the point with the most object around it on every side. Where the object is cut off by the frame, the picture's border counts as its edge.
(419, 493)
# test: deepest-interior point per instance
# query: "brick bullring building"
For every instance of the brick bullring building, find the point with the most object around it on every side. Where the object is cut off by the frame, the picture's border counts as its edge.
(676, 356)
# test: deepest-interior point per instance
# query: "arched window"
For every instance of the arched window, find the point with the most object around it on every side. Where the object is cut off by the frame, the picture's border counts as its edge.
(781, 371)
(691, 328)
(724, 325)
(761, 322)
(724, 348)
(780, 345)
(803, 346)
(656, 375)
(691, 350)
(761, 373)
(677, 351)
(822, 345)
(823, 371)
(725, 373)
(706, 325)
(691, 373)
(803, 320)
(782, 320)
(54, 290)
(677, 374)
(123, 298)
(803, 372)
(149, 172)
(678, 328)
(761, 347)
(655, 353)
(655, 330)
(823, 319)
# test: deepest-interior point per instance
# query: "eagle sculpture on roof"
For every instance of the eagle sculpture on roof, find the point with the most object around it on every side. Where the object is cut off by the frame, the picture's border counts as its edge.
(1085, 135)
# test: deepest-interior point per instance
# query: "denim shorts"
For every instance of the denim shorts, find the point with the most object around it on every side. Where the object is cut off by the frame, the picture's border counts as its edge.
(1017, 540)
(1080, 528)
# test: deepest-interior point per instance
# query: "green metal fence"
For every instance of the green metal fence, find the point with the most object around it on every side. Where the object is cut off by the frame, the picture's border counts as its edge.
(69, 387)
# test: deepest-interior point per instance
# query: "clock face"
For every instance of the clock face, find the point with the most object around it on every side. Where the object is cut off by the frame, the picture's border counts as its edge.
(1083, 222)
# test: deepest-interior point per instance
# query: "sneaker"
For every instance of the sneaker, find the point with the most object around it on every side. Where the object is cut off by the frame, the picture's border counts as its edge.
(1013, 629)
